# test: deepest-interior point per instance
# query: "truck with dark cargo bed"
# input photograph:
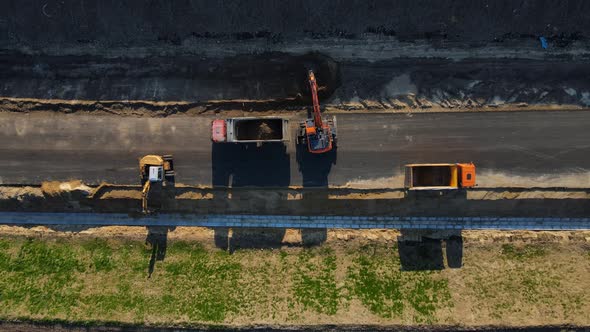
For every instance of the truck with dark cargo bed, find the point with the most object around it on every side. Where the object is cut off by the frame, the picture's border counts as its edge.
(250, 130)
(439, 176)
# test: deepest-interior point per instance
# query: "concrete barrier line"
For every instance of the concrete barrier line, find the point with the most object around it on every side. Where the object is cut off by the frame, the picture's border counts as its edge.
(286, 221)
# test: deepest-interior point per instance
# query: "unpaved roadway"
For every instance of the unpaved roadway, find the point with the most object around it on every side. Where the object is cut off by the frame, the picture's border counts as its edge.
(39, 147)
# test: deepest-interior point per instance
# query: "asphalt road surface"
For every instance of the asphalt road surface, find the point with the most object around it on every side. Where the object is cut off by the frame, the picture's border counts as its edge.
(39, 147)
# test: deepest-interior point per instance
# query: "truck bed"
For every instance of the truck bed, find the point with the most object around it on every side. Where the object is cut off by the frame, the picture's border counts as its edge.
(257, 129)
(431, 176)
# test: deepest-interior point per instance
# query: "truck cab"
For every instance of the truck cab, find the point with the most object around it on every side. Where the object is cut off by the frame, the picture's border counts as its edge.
(218, 131)
(467, 175)
(156, 173)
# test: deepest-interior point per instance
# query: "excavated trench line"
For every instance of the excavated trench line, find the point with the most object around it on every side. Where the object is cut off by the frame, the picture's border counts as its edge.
(201, 201)
(277, 81)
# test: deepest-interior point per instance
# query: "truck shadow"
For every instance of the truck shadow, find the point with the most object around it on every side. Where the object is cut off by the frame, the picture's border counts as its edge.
(232, 239)
(246, 165)
(311, 237)
(421, 250)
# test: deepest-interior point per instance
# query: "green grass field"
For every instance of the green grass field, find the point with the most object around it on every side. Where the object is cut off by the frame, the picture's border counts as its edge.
(84, 279)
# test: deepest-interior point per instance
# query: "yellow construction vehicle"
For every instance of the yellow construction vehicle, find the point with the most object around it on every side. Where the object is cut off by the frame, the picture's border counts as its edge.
(154, 169)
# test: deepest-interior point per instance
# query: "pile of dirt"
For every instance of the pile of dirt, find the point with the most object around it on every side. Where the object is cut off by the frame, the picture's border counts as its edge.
(72, 189)
(121, 194)
(265, 132)
(20, 198)
(52, 196)
(20, 193)
(259, 129)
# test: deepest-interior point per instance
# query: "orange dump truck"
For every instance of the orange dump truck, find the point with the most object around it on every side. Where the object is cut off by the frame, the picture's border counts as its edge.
(439, 176)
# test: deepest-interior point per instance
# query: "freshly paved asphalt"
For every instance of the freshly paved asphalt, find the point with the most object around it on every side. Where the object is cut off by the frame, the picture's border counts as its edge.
(38, 147)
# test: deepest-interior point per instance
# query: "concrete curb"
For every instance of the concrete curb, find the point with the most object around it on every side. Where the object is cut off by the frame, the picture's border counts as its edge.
(284, 221)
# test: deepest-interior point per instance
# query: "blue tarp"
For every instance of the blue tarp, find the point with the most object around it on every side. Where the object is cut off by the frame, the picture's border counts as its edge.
(543, 42)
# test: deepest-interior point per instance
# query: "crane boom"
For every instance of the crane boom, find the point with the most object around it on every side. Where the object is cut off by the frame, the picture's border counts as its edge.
(317, 117)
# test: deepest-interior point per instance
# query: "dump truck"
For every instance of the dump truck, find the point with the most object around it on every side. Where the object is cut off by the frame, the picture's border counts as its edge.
(250, 130)
(154, 169)
(439, 176)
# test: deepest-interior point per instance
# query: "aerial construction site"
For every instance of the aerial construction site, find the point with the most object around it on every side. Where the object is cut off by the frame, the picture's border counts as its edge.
(298, 165)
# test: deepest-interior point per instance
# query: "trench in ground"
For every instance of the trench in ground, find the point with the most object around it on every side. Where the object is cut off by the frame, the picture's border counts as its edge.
(276, 80)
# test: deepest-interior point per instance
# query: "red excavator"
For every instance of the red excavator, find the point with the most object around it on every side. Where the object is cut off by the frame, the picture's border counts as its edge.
(317, 134)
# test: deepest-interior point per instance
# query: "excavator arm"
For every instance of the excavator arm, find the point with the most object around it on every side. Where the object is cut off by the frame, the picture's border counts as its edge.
(317, 116)
(144, 196)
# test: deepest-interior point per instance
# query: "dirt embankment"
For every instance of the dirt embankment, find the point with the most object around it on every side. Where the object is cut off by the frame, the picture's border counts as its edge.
(276, 82)
(501, 202)
(453, 55)
(257, 80)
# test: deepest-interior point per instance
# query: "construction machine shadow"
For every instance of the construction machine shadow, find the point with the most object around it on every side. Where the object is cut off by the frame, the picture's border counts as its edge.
(316, 142)
(315, 168)
(316, 152)
(157, 239)
(250, 151)
(425, 250)
(249, 165)
(232, 239)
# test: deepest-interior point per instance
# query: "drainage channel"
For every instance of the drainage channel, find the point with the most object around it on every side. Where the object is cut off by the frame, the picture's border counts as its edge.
(286, 221)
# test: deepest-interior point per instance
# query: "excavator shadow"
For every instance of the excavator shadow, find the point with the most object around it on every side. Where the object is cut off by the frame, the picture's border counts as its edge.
(421, 250)
(157, 239)
(315, 168)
